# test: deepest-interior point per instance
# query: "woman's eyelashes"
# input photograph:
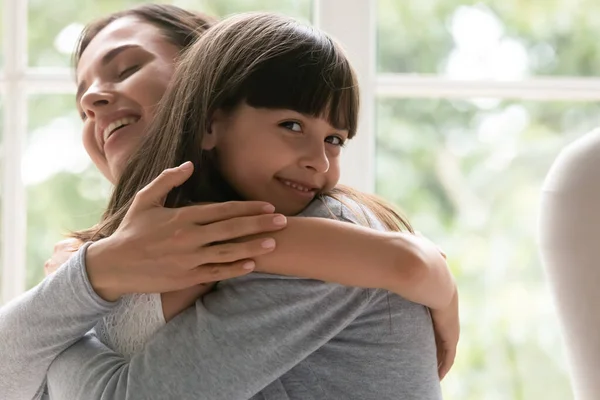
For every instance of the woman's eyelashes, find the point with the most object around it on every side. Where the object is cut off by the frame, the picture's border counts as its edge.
(128, 71)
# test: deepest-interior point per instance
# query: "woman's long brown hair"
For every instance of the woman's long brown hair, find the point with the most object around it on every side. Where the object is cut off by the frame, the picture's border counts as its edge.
(265, 60)
(179, 26)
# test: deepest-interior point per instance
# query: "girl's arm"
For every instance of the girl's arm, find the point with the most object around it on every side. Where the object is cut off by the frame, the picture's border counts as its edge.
(340, 252)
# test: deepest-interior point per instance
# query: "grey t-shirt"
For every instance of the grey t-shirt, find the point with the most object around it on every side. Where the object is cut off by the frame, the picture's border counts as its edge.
(259, 337)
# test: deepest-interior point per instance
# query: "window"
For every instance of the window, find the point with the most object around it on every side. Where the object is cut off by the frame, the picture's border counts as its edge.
(464, 107)
(495, 39)
(473, 103)
(468, 172)
(53, 27)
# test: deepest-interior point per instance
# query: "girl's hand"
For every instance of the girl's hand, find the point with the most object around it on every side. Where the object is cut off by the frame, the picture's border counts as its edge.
(158, 249)
(175, 302)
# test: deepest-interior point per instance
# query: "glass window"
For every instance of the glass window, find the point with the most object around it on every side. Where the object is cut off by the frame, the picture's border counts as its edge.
(54, 26)
(65, 192)
(300, 9)
(467, 173)
(496, 39)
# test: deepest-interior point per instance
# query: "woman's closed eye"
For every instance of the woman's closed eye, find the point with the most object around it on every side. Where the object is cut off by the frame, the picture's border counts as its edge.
(128, 71)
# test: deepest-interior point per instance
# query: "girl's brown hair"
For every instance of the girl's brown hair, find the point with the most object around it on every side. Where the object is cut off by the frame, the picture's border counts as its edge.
(264, 60)
(180, 27)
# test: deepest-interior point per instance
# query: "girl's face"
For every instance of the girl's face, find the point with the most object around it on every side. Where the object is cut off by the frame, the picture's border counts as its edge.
(279, 156)
(121, 77)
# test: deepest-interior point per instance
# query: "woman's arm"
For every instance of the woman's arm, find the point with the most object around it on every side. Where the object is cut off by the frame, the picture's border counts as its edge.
(236, 341)
(352, 255)
(40, 324)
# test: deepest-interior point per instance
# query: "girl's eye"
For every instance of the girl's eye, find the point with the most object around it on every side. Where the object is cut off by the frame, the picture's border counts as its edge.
(335, 140)
(128, 71)
(292, 125)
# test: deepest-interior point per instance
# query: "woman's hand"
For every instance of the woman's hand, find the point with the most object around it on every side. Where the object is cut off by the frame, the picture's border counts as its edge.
(446, 321)
(63, 250)
(446, 324)
(158, 249)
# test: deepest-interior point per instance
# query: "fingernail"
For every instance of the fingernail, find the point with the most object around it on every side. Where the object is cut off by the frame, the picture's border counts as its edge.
(280, 220)
(269, 208)
(249, 265)
(186, 166)
(268, 243)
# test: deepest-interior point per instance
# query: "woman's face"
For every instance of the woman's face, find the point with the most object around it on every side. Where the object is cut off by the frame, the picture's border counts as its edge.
(121, 77)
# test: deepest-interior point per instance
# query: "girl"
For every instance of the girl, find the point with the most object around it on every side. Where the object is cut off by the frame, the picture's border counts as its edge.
(262, 106)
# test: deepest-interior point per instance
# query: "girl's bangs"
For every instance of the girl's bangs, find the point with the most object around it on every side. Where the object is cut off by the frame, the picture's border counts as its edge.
(313, 79)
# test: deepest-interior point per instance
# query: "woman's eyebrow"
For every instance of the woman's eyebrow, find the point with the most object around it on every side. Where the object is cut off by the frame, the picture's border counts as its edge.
(107, 58)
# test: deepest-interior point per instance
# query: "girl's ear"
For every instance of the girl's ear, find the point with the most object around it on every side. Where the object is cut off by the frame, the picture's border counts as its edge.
(209, 139)
(216, 125)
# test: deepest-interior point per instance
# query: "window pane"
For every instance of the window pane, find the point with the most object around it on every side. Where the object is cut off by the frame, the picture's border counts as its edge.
(496, 39)
(300, 9)
(65, 192)
(54, 26)
(468, 175)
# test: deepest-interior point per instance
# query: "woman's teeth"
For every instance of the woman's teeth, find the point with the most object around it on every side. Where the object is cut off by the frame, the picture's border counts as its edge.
(118, 124)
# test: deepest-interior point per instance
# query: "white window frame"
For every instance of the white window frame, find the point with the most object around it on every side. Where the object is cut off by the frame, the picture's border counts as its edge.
(352, 22)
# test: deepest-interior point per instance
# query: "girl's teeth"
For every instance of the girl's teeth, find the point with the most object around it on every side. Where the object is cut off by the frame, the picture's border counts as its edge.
(296, 186)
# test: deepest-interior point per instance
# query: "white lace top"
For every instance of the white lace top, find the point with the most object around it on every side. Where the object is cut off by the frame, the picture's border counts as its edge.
(131, 324)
